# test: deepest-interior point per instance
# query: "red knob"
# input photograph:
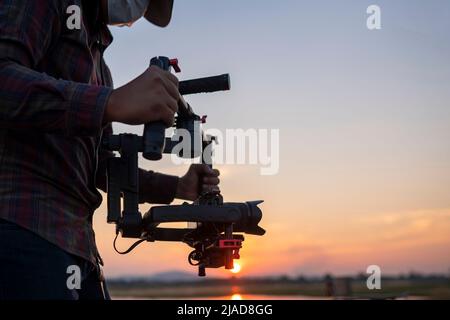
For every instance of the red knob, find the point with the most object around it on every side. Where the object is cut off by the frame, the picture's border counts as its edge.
(174, 64)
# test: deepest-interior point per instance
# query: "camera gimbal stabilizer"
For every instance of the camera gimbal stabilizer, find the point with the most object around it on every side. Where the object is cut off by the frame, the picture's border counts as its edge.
(218, 236)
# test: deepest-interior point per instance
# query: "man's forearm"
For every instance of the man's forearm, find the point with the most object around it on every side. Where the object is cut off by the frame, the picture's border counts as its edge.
(157, 187)
(33, 100)
(153, 187)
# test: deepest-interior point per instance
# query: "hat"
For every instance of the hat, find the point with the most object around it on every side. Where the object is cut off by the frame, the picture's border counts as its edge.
(159, 12)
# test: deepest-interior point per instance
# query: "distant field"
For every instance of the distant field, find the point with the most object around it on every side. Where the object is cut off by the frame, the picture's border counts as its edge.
(390, 289)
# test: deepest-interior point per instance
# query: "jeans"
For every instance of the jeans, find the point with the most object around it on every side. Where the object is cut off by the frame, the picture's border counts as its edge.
(31, 268)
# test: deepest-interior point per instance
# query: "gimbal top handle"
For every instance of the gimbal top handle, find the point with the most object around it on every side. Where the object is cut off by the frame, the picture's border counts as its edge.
(154, 133)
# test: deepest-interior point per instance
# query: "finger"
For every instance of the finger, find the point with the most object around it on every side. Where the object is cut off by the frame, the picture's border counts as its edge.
(168, 117)
(171, 89)
(216, 172)
(210, 188)
(182, 104)
(211, 180)
(172, 78)
(169, 81)
(165, 74)
(171, 84)
(202, 169)
(172, 105)
(211, 173)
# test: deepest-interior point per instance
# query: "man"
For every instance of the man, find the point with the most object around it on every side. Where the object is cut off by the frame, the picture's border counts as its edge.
(56, 101)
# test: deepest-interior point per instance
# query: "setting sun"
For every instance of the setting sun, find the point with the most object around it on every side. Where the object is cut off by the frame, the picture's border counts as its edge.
(236, 296)
(237, 268)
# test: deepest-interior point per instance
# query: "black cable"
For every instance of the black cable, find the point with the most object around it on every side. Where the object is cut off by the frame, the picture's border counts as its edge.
(133, 246)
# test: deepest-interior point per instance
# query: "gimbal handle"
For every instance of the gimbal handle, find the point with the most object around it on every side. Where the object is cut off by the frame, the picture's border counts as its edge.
(155, 132)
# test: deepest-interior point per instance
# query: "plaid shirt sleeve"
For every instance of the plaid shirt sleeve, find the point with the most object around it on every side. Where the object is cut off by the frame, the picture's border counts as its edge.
(153, 187)
(34, 100)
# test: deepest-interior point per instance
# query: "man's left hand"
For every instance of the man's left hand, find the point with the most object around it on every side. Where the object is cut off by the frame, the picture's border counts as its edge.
(199, 178)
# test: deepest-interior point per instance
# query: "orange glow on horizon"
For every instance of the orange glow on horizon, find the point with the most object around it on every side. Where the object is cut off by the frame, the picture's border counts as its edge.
(340, 247)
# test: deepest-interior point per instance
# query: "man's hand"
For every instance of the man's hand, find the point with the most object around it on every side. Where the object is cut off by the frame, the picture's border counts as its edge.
(153, 96)
(199, 178)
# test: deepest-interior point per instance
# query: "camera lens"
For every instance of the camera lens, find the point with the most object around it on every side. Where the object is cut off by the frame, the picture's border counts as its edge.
(251, 215)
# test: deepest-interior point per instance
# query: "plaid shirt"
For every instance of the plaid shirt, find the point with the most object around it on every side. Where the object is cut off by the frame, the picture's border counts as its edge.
(54, 86)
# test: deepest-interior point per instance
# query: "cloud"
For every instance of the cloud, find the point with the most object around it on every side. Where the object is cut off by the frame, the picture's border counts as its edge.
(422, 226)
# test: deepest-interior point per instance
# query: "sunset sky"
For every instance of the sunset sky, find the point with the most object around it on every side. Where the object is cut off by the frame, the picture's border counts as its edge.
(364, 120)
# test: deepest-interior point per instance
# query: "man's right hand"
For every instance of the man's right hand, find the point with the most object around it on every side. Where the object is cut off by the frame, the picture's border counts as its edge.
(153, 96)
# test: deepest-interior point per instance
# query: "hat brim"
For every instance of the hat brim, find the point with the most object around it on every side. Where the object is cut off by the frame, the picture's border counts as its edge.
(159, 12)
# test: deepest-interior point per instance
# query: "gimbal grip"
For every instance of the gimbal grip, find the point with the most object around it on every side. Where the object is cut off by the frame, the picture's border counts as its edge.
(154, 140)
(205, 85)
(155, 132)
